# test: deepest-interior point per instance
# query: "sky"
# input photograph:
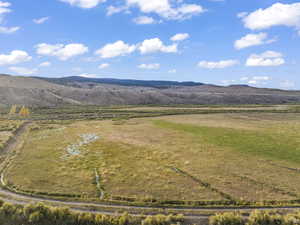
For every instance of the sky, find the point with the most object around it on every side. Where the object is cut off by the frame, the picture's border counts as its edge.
(223, 42)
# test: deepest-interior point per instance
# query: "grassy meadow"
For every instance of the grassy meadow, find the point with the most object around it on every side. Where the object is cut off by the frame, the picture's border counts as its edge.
(7, 129)
(206, 157)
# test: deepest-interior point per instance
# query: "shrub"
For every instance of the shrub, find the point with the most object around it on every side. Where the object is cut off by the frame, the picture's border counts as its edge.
(265, 218)
(162, 220)
(227, 219)
(40, 214)
(292, 219)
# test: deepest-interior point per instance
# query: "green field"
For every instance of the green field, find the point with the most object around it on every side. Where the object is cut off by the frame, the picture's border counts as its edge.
(206, 157)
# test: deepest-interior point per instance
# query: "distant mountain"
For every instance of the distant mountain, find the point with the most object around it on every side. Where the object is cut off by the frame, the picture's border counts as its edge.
(77, 90)
(76, 81)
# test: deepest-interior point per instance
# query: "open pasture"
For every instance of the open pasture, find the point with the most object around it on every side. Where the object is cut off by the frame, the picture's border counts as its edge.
(209, 157)
(7, 127)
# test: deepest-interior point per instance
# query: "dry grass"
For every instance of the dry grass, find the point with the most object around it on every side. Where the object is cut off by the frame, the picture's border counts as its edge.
(7, 127)
(168, 158)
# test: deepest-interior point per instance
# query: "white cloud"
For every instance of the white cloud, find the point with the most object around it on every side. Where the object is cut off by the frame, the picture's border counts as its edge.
(252, 40)
(118, 48)
(4, 7)
(188, 10)
(228, 82)
(256, 80)
(172, 71)
(268, 58)
(218, 65)
(180, 37)
(8, 30)
(14, 57)
(104, 65)
(154, 6)
(154, 66)
(144, 20)
(166, 9)
(88, 75)
(110, 10)
(45, 64)
(265, 78)
(23, 71)
(86, 4)
(278, 14)
(63, 52)
(244, 78)
(41, 20)
(156, 45)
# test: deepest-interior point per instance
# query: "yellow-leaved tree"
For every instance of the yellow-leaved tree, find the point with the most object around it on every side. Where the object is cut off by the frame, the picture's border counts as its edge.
(24, 112)
(13, 110)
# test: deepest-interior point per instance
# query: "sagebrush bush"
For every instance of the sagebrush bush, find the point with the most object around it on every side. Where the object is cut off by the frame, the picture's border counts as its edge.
(292, 219)
(265, 218)
(39, 214)
(227, 219)
(162, 220)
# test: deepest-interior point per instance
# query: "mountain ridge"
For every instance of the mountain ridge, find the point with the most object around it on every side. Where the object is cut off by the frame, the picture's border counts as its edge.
(33, 91)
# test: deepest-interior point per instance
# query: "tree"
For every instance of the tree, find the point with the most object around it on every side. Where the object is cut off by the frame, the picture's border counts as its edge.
(13, 110)
(24, 112)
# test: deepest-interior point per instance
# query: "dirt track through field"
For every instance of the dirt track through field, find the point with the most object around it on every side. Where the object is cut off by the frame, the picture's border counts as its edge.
(193, 215)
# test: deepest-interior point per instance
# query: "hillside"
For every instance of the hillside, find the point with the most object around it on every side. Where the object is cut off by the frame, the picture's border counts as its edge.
(75, 90)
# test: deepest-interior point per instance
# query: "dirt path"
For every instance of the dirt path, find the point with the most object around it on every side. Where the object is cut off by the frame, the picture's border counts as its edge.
(195, 215)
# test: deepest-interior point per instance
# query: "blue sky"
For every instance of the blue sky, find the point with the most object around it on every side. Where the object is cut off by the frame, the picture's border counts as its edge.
(253, 42)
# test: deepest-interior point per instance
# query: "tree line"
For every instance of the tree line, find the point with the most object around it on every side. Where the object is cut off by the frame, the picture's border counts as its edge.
(22, 111)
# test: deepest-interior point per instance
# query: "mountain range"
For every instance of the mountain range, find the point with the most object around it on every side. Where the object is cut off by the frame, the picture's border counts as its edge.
(52, 92)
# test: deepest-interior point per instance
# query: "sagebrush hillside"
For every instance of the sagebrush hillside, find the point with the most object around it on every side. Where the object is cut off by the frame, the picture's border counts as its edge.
(74, 90)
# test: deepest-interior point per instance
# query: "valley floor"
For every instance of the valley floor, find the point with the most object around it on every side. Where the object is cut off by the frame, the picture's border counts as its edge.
(189, 158)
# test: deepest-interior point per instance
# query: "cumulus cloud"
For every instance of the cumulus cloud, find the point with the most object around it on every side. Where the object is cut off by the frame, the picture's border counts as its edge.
(88, 75)
(110, 10)
(253, 40)
(154, 66)
(45, 64)
(268, 58)
(278, 14)
(180, 37)
(118, 48)
(218, 65)
(4, 9)
(156, 45)
(141, 20)
(23, 70)
(41, 20)
(15, 57)
(8, 30)
(166, 9)
(86, 4)
(256, 80)
(104, 65)
(63, 52)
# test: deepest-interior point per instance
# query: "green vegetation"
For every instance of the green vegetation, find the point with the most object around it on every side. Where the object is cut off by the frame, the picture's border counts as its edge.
(272, 145)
